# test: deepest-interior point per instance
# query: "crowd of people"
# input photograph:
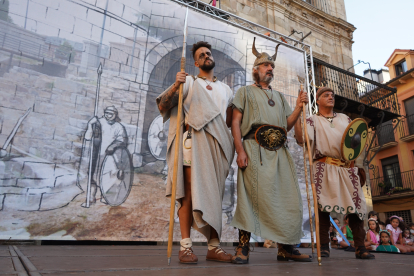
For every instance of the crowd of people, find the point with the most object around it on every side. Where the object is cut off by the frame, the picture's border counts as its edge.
(392, 236)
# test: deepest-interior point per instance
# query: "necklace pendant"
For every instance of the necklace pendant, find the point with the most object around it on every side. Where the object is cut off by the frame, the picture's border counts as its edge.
(209, 87)
(332, 125)
(271, 102)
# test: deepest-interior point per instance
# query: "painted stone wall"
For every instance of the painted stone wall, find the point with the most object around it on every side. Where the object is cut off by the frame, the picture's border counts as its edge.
(67, 61)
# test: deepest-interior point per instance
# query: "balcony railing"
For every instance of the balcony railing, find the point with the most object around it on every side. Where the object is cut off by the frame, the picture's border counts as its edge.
(356, 88)
(393, 184)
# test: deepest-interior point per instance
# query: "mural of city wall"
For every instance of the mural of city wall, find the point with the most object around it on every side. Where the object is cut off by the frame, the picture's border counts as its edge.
(78, 82)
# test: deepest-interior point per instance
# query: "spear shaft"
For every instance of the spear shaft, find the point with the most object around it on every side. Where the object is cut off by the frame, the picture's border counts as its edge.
(178, 143)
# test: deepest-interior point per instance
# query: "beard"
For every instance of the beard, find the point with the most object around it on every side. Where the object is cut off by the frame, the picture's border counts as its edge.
(262, 78)
(208, 67)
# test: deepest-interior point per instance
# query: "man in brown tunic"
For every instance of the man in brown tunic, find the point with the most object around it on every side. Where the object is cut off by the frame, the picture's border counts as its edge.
(338, 183)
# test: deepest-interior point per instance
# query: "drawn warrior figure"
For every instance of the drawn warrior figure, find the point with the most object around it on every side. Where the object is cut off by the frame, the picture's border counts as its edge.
(108, 135)
(344, 195)
(269, 202)
(204, 157)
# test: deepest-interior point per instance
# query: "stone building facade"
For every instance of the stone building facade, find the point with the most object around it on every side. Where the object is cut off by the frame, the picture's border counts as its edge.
(332, 35)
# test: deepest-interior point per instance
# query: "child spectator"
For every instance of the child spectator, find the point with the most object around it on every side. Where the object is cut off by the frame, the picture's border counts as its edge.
(407, 237)
(348, 233)
(375, 216)
(411, 226)
(394, 226)
(385, 245)
(381, 225)
(372, 234)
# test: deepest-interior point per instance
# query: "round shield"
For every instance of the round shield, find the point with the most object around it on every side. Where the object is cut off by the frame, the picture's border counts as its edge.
(116, 177)
(157, 138)
(354, 139)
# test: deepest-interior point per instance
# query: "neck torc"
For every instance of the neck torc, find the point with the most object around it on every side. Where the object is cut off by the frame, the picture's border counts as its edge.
(208, 75)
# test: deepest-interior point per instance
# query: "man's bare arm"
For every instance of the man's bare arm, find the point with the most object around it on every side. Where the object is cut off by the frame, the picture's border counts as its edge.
(170, 99)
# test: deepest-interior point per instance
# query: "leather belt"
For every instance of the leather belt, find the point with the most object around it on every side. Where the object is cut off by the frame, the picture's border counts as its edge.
(336, 162)
(268, 136)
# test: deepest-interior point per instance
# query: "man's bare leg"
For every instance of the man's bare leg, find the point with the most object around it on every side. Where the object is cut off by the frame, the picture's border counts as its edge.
(185, 214)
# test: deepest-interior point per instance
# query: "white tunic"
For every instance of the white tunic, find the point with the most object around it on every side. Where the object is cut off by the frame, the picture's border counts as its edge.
(221, 94)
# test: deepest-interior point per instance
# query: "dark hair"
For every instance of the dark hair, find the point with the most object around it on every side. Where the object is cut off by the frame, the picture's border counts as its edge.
(401, 224)
(335, 219)
(377, 228)
(198, 45)
(389, 236)
(346, 217)
(411, 224)
(381, 223)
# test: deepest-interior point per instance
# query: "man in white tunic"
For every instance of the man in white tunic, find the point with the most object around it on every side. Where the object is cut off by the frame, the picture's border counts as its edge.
(205, 155)
(338, 183)
(108, 134)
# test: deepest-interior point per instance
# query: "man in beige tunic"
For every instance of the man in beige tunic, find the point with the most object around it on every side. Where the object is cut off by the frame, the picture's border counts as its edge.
(205, 155)
(269, 202)
(337, 182)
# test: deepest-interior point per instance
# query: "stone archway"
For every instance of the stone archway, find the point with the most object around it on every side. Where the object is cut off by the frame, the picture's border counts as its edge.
(163, 74)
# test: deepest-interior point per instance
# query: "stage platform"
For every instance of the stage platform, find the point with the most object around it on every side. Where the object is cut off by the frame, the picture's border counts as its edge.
(152, 260)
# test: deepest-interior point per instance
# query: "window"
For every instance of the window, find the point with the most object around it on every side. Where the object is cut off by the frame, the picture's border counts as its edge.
(405, 215)
(391, 172)
(409, 112)
(400, 68)
(386, 133)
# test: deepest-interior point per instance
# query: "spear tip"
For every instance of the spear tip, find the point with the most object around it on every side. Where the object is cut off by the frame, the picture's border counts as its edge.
(169, 261)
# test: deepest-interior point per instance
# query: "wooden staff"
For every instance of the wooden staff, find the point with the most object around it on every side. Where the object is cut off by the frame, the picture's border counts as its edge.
(178, 143)
(306, 175)
(315, 199)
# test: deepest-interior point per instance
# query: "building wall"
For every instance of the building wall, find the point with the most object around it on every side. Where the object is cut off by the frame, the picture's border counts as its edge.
(332, 35)
(404, 150)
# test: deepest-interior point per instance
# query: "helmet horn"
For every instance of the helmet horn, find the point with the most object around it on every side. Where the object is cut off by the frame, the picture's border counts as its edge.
(254, 50)
(275, 55)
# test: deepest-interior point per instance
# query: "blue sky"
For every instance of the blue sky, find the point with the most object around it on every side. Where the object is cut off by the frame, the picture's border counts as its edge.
(382, 26)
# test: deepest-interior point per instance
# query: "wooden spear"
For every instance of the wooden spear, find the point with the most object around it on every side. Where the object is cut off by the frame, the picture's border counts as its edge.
(178, 143)
(306, 176)
(315, 199)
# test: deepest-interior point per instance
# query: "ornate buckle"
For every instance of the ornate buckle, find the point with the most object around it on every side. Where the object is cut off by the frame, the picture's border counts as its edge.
(271, 137)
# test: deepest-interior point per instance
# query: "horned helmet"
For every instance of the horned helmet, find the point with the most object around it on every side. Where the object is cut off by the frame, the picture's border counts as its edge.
(263, 57)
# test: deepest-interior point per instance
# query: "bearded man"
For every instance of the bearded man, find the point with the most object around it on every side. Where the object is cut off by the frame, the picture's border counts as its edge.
(205, 155)
(344, 194)
(269, 202)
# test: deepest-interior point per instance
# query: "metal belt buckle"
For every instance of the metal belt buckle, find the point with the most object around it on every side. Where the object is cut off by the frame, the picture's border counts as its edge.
(186, 138)
(271, 137)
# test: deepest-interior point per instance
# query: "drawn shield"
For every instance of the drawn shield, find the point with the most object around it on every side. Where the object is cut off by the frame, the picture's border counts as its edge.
(116, 177)
(354, 139)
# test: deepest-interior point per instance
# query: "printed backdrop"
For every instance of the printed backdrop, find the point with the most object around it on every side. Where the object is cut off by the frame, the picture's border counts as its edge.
(62, 61)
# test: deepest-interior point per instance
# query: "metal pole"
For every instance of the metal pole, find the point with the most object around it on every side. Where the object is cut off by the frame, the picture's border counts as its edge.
(25, 19)
(102, 33)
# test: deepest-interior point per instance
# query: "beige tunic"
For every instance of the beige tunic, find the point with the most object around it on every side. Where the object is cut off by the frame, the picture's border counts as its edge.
(269, 203)
(212, 153)
(338, 189)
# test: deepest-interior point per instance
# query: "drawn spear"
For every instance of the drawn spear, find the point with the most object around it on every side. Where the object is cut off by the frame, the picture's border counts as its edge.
(178, 143)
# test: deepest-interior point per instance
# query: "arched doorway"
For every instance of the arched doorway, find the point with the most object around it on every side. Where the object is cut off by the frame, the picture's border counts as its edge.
(163, 75)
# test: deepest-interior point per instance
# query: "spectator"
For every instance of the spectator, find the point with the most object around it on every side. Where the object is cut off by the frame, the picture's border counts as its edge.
(411, 226)
(372, 234)
(336, 238)
(381, 225)
(385, 244)
(408, 238)
(348, 233)
(375, 216)
(394, 226)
